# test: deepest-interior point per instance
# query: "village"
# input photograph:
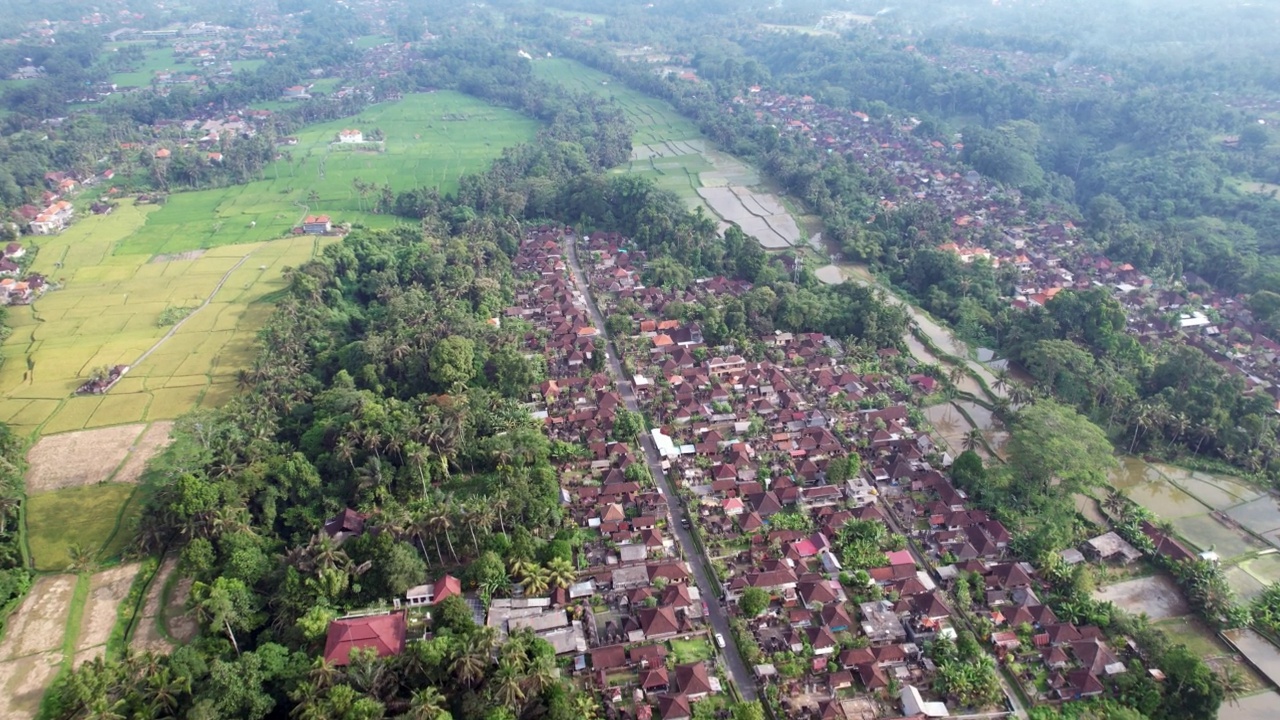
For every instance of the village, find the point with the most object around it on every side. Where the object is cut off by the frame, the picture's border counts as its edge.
(857, 578)
(994, 225)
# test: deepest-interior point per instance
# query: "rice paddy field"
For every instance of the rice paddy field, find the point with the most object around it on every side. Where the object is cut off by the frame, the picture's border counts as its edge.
(670, 150)
(431, 139)
(105, 313)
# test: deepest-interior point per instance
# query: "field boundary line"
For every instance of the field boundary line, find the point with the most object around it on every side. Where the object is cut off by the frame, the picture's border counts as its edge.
(178, 325)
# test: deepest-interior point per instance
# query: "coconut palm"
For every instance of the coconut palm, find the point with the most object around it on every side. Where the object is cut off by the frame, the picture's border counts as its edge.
(973, 439)
(508, 685)
(542, 674)
(537, 582)
(429, 704)
(560, 573)
(1234, 683)
(521, 568)
(469, 664)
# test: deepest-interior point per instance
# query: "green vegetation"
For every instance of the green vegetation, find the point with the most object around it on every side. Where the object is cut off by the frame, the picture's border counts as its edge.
(431, 139)
(668, 148)
(172, 315)
(57, 544)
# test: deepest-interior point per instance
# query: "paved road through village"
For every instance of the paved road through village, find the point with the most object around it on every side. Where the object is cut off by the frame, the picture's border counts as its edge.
(738, 670)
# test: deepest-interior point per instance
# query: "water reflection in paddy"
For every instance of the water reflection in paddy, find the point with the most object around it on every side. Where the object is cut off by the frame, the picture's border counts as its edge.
(1146, 486)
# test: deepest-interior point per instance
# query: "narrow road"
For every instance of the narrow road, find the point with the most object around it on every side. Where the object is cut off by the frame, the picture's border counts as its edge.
(698, 563)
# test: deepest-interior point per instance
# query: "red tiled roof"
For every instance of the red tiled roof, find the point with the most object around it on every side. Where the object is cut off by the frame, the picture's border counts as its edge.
(384, 633)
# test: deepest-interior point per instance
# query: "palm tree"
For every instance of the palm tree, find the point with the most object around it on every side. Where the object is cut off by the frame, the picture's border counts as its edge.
(537, 582)
(323, 674)
(585, 706)
(164, 691)
(1003, 376)
(82, 558)
(441, 522)
(521, 568)
(973, 439)
(469, 664)
(213, 606)
(509, 686)
(1234, 683)
(542, 674)
(428, 704)
(560, 573)
(1115, 503)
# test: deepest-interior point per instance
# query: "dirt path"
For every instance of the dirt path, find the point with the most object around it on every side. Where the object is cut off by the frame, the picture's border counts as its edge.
(146, 632)
(183, 321)
(31, 651)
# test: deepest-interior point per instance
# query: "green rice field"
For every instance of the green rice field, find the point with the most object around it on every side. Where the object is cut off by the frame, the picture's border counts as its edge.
(96, 509)
(431, 139)
(668, 148)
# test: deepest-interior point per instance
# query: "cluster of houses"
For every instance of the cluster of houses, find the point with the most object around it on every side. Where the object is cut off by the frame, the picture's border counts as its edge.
(634, 594)
(752, 441)
(15, 291)
(755, 443)
(1047, 251)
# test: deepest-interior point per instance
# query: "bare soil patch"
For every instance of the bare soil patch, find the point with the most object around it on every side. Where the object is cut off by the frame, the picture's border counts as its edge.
(146, 632)
(107, 589)
(30, 653)
(1157, 596)
(40, 621)
(84, 457)
(188, 255)
(144, 448)
(23, 682)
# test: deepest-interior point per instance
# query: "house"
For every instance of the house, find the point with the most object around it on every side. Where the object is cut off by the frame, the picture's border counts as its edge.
(659, 622)
(345, 524)
(53, 219)
(316, 224)
(434, 593)
(913, 705)
(612, 657)
(384, 634)
(350, 136)
(1110, 546)
(14, 250)
(295, 92)
(674, 707)
(880, 623)
(693, 681)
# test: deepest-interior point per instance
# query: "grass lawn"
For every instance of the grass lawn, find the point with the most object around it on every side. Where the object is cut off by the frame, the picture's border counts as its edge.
(431, 139)
(51, 531)
(691, 650)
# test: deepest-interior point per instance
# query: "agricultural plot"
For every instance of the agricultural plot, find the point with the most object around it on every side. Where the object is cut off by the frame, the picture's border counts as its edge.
(106, 312)
(670, 150)
(30, 652)
(96, 510)
(157, 60)
(431, 139)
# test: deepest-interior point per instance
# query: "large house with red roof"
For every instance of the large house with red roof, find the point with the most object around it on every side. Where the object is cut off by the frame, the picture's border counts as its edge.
(384, 634)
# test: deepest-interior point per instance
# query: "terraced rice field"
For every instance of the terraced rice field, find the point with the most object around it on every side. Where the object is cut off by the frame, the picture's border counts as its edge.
(670, 150)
